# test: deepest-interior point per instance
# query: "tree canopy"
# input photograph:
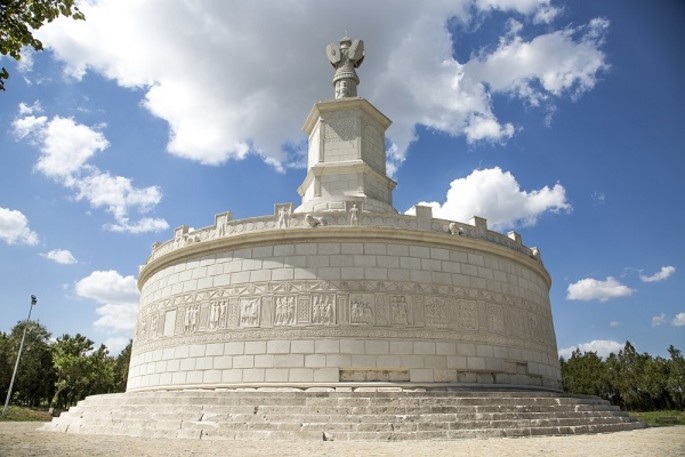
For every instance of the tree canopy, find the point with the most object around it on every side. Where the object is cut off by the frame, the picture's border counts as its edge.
(58, 373)
(629, 379)
(19, 19)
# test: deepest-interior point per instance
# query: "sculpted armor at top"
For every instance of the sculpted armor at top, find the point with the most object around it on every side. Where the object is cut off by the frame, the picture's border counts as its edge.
(345, 58)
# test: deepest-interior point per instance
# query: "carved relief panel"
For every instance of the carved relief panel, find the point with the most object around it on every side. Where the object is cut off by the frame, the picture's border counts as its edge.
(191, 319)
(495, 318)
(323, 309)
(285, 310)
(250, 309)
(217, 314)
(436, 312)
(468, 315)
(399, 310)
(362, 309)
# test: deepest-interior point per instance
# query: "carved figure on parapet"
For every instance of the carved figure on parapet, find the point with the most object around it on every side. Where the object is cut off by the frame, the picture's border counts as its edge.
(354, 215)
(455, 229)
(315, 221)
(535, 253)
(283, 212)
(345, 58)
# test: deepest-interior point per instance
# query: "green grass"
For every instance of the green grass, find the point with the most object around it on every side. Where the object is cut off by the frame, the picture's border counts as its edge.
(23, 414)
(651, 418)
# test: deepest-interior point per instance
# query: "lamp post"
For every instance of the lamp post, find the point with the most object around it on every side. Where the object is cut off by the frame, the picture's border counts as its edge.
(34, 300)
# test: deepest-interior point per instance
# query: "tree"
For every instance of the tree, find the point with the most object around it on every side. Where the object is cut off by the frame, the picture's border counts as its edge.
(19, 19)
(675, 384)
(70, 359)
(6, 360)
(121, 368)
(585, 374)
(35, 374)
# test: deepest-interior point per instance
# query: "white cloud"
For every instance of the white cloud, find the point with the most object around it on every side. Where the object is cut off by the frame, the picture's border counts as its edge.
(540, 10)
(593, 289)
(614, 323)
(565, 61)
(66, 147)
(62, 256)
(117, 194)
(678, 320)
(603, 348)
(144, 225)
(116, 343)
(659, 319)
(118, 299)
(497, 196)
(661, 275)
(14, 228)
(25, 64)
(235, 78)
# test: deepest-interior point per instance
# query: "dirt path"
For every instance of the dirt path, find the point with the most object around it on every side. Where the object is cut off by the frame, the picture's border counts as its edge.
(21, 439)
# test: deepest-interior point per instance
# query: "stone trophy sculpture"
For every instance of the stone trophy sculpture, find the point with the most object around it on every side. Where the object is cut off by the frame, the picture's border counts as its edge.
(345, 58)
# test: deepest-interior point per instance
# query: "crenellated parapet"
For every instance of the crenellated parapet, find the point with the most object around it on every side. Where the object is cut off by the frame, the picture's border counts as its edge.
(353, 218)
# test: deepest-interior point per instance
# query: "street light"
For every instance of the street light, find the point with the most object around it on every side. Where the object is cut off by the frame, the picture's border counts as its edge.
(34, 300)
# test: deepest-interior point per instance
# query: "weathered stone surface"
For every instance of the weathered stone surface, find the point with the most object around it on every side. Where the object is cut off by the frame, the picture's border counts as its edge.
(361, 416)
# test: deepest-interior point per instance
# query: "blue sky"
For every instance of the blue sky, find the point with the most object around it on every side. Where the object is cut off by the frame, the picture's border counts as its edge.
(562, 121)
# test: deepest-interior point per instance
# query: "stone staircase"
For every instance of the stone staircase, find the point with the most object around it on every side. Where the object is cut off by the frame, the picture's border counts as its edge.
(378, 415)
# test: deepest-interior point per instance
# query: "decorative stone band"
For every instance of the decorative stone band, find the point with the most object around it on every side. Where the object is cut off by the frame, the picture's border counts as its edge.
(284, 219)
(437, 306)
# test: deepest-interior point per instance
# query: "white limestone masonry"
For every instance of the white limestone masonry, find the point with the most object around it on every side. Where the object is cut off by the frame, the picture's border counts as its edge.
(342, 291)
(335, 305)
(341, 319)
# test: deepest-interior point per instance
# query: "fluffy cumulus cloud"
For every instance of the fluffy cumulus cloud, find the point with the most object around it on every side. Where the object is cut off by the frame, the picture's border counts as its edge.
(497, 196)
(65, 149)
(678, 320)
(603, 348)
(659, 319)
(62, 256)
(14, 228)
(117, 297)
(595, 289)
(660, 275)
(233, 78)
(562, 62)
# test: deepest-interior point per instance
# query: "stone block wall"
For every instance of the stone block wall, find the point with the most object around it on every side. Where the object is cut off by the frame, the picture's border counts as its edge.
(335, 306)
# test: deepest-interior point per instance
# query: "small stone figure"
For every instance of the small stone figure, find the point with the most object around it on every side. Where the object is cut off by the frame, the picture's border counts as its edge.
(455, 229)
(535, 253)
(315, 221)
(354, 215)
(283, 218)
(345, 58)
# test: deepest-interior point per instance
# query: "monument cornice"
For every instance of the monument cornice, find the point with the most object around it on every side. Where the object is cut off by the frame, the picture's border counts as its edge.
(342, 104)
(339, 234)
(335, 168)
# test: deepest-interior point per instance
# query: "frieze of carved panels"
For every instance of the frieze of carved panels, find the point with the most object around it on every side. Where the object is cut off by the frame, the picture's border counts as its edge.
(336, 308)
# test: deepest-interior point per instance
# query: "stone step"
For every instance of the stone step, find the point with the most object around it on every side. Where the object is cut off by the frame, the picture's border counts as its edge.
(340, 415)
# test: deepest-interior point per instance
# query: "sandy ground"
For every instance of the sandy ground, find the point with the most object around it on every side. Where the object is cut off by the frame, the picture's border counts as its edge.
(21, 439)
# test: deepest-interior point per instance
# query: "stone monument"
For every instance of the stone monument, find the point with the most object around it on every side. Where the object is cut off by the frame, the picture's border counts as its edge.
(339, 301)
(342, 290)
